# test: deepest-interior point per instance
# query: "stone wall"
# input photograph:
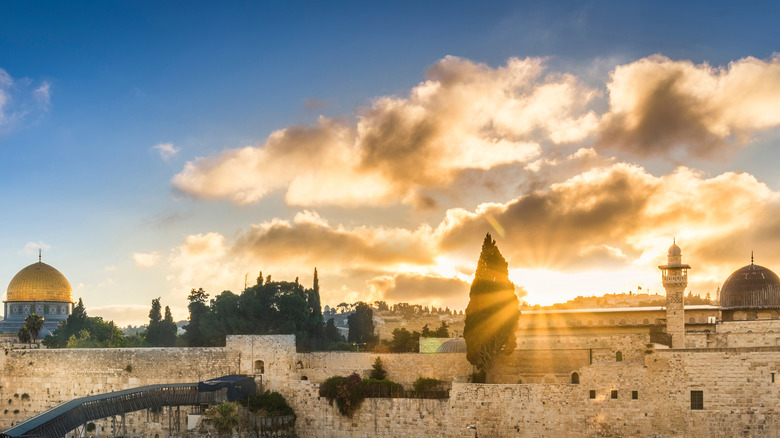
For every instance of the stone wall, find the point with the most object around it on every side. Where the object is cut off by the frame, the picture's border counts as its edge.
(650, 398)
(647, 395)
(32, 381)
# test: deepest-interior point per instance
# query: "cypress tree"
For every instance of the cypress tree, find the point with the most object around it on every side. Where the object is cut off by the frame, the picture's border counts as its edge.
(493, 310)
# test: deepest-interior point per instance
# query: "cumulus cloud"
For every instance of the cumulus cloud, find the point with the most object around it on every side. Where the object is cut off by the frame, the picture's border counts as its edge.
(146, 260)
(611, 216)
(616, 216)
(464, 116)
(309, 239)
(166, 150)
(658, 106)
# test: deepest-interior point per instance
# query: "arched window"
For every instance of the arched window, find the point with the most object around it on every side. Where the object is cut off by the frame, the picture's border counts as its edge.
(575, 378)
(299, 365)
(619, 357)
(259, 367)
(691, 320)
(304, 378)
(645, 321)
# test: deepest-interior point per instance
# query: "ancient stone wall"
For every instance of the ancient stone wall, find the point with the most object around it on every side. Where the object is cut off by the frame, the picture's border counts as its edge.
(638, 396)
(32, 381)
(612, 399)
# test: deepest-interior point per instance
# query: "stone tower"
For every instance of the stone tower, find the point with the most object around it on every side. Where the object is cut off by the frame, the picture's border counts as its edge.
(675, 279)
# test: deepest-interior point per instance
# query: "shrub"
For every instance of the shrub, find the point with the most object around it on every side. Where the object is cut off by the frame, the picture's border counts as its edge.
(425, 384)
(479, 377)
(25, 396)
(129, 368)
(272, 403)
(378, 372)
(381, 388)
(90, 427)
(346, 391)
(16, 411)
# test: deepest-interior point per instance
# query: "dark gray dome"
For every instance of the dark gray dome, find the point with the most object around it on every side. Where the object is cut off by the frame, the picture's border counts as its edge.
(751, 287)
(453, 346)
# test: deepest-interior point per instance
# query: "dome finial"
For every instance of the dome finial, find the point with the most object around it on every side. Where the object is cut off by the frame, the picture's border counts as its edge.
(39, 255)
(751, 257)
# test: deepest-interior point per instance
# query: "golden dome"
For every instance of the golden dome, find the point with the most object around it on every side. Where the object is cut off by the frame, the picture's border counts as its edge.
(39, 282)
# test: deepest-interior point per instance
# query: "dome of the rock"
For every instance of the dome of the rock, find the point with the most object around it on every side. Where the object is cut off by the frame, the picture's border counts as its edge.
(39, 282)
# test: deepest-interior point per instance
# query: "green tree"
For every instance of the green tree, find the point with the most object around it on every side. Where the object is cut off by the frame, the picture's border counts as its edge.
(168, 329)
(224, 417)
(34, 324)
(24, 335)
(332, 332)
(100, 333)
(193, 337)
(405, 341)
(361, 324)
(442, 331)
(492, 312)
(378, 371)
(154, 333)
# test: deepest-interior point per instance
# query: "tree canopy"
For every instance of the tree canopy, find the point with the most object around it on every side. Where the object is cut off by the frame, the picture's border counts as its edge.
(493, 309)
(80, 330)
(361, 324)
(268, 307)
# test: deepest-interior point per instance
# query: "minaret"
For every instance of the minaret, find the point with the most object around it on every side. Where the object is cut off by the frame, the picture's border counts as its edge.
(675, 279)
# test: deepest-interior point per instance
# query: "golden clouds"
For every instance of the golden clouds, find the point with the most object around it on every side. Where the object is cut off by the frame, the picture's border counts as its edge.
(658, 105)
(525, 139)
(614, 215)
(464, 116)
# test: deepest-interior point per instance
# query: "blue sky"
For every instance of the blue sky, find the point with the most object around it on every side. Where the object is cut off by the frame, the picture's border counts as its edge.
(93, 87)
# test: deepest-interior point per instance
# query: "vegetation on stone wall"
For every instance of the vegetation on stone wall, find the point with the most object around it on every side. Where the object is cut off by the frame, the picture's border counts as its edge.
(427, 384)
(345, 391)
(493, 309)
(269, 404)
(378, 371)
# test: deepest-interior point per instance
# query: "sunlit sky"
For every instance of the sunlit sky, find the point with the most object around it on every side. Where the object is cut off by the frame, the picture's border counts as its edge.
(153, 147)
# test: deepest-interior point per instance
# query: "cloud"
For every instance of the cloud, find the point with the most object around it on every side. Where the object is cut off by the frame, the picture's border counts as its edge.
(310, 240)
(43, 94)
(166, 150)
(21, 101)
(33, 247)
(146, 260)
(420, 288)
(464, 116)
(614, 216)
(659, 106)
